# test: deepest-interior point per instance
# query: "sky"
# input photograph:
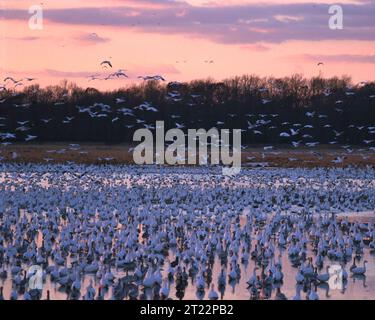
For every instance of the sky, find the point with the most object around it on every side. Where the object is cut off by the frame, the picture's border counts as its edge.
(176, 38)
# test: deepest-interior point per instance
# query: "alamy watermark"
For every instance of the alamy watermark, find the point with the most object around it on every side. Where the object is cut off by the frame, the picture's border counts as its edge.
(35, 284)
(336, 280)
(36, 19)
(336, 21)
(180, 152)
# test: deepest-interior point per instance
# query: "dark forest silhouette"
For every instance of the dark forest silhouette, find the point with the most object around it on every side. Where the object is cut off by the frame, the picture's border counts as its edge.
(318, 110)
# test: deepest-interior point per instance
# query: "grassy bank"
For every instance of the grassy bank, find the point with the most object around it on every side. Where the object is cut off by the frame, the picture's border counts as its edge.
(324, 156)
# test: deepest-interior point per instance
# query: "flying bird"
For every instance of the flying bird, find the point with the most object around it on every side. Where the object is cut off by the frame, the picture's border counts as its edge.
(106, 62)
(12, 79)
(338, 160)
(284, 135)
(120, 100)
(120, 73)
(30, 137)
(179, 126)
(156, 78)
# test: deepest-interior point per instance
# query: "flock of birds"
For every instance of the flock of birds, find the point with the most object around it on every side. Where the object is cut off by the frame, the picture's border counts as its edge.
(133, 117)
(121, 114)
(119, 232)
(11, 83)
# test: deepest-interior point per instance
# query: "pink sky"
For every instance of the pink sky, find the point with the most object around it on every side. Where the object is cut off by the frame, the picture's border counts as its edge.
(174, 38)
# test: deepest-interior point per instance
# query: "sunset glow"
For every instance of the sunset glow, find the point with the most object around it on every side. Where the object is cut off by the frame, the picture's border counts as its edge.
(175, 38)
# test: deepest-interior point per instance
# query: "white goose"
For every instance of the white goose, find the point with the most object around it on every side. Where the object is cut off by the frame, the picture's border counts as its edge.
(323, 277)
(360, 270)
(213, 295)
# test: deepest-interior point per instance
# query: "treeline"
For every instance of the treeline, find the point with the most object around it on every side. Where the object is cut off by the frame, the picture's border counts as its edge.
(308, 110)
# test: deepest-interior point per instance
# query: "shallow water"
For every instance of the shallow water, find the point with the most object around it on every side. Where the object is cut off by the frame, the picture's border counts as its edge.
(361, 288)
(355, 288)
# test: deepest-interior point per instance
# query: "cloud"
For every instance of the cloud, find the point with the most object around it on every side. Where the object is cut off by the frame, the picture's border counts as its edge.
(256, 47)
(341, 58)
(286, 19)
(232, 24)
(67, 74)
(91, 38)
(27, 38)
(137, 70)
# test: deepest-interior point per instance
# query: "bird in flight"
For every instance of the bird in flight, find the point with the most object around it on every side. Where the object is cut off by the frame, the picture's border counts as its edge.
(94, 77)
(156, 78)
(12, 79)
(106, 62)
(120, 73)
(30, 137)
(320, 64)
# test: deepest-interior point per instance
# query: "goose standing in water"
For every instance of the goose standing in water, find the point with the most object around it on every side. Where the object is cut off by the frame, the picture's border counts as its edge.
(323, 277)
(359, 270)
(27, 296)
(90, 292)
(165, 290)
(313, 295)
(280, 295)
(221, 281)
(298, 293)
(149, 281)
(253, 279)
(344, 273)
(299, 277)
(213, 295)
(14, 295)
(100, 293)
